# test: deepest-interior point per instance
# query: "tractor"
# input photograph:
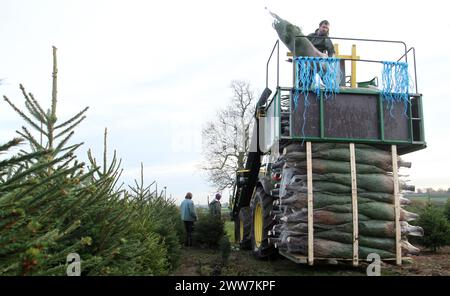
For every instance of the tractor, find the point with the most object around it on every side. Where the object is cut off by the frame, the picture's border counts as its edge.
(304, 118)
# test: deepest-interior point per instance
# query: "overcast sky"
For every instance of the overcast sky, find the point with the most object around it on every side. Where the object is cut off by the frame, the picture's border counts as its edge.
(153, 72)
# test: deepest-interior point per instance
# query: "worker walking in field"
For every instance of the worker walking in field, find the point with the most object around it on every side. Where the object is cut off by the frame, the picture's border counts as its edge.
(189, 216)
(215, 208)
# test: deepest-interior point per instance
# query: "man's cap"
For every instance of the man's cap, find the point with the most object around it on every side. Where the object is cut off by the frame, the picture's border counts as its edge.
(218, 195)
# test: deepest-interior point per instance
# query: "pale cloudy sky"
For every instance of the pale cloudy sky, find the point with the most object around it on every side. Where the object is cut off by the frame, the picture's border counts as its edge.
(154, 71)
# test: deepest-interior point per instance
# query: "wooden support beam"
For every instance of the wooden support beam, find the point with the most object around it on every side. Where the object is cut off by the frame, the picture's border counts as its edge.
(398, 237)
(354, 205)
(310, 205)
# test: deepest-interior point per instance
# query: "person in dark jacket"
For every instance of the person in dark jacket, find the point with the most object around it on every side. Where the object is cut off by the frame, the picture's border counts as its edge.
(189, 216)
(215, 208)
(321, 40)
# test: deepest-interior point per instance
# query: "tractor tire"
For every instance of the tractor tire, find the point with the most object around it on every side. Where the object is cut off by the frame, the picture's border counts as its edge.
(244, 228)
(262, 222)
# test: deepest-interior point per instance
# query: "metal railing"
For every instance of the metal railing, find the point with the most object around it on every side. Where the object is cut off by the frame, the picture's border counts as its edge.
(405, 54)
(277, 46)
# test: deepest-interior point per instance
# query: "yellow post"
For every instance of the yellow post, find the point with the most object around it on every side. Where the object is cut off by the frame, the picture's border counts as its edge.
(353, 81)
(336, 49)
(353, 57)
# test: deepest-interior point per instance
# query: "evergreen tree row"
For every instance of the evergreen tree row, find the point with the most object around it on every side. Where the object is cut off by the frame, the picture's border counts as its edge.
(52, 205)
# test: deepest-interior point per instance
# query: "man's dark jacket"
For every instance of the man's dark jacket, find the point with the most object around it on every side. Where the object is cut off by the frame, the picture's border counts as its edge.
(322, 43)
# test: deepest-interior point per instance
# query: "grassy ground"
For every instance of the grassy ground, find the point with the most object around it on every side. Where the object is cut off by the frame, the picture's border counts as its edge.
(206, 262)
(423, 200)
(427, 263)
(229, 230)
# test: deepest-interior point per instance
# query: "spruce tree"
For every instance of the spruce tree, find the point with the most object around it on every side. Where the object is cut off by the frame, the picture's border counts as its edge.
(435, 226)
(447, 210)
(52, 205)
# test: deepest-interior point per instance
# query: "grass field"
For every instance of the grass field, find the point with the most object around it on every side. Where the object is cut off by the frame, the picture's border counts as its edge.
(424, 199)
(229, 230)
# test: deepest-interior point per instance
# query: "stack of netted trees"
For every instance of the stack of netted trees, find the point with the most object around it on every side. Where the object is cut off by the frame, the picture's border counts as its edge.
(332, 203)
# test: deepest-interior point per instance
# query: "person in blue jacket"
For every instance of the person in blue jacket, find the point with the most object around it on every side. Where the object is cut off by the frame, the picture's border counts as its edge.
(189, 216)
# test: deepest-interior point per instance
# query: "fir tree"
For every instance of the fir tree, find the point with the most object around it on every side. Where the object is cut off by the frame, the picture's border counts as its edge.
(52, 205)
(435, 226)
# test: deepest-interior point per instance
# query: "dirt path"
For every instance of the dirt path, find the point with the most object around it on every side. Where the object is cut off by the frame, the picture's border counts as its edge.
(206, 262)
(203, 262)
(426, 264)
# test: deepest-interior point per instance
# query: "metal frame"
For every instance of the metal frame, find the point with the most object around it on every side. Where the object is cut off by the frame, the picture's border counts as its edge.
(405, 55)
(411, 143)
(277, 46)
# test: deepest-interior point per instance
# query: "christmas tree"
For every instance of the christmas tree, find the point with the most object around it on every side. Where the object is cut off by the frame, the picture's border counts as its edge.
(52, 205)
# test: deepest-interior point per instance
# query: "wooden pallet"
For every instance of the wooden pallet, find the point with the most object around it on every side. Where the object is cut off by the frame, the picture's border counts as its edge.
(300, 259)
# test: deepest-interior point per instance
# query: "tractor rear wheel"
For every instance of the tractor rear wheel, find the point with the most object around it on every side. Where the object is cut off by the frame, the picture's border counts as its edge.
(244, 228)
(262, 222)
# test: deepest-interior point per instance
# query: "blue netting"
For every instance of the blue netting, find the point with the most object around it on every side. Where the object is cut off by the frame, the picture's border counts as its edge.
(309, 71)
(395, 84)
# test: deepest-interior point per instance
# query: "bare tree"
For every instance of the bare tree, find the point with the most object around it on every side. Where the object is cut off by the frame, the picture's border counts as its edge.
(226, 139)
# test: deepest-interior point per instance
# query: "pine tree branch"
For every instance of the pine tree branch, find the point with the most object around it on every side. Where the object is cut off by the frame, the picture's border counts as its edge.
(72, 119)
(33, 111)
(78, 200)
(53, 176)
(63, 142)
(30, 138)
(33, 169)
(69, 128)
(54, 84)
(12, 143)
(52, 114)
(27, 138)
(32, 100)
(113, 167)
(91, 158)
(105, 151)
(26, 118)
(62, 166)
(117, 177)
(16, 159)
